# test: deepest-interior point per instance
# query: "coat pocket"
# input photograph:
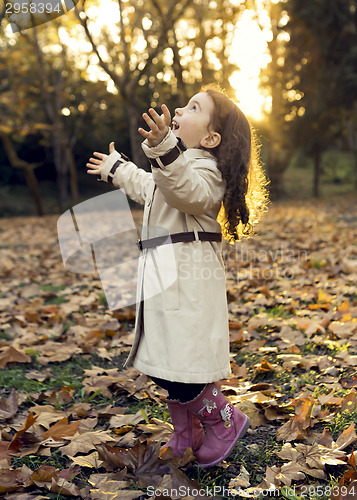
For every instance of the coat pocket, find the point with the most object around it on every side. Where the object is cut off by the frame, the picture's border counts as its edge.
(160, 284)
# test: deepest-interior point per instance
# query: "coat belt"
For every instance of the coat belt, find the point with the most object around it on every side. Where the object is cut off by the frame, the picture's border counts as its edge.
(179, 237)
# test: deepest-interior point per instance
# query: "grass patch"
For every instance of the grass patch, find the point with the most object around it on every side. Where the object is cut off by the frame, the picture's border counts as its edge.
(68, 373)
(53, 288)
(151, 410)
(59, 299)
(342, 421)
(278, 312)
(33, 462)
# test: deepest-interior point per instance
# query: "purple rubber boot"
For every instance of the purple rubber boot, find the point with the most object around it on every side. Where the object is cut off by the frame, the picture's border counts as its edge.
(188, 430)
(224, 425)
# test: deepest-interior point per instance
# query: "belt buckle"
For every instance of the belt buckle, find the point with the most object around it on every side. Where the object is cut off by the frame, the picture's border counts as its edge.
(139, 244)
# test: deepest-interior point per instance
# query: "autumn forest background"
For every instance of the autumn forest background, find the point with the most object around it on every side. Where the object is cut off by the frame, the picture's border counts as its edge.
(72, 85)
(73, 422)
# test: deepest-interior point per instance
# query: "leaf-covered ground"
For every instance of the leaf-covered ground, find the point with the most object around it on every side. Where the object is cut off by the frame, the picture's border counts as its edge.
(74, 423)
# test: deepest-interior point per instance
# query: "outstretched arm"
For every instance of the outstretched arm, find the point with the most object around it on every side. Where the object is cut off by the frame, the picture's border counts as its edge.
(193, 187)
(120, 172)
(95, 164)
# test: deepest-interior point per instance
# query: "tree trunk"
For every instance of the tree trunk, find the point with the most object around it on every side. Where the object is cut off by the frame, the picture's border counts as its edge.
(33, 187)
(28, 169)
(178, 70)
(73, 178)
(276, 185)
(317, 170)
(276, 166)
(137, 153)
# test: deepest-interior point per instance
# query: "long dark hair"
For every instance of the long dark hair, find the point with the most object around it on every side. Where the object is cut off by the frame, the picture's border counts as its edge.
(246, 196)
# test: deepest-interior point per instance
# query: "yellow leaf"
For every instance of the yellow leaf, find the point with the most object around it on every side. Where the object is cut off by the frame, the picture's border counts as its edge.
(91, 461)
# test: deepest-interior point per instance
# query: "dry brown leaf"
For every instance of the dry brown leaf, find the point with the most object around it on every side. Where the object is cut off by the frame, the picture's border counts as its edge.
(296, 428)
(253, 413)
(114, 490)
(347, 437)
(45, 416)
(63, 396)
(91, 461)
(264, 366)
(62, 486)
(157, 430)
(29, 422)
(12, 355)
(14, 479)
(329, 399)
(316, 456)
(288, 453)
(240, 481)
(43, 474)
(9, 406)
(130, 418)
(290, 472)
(84, 443)
(61, 429)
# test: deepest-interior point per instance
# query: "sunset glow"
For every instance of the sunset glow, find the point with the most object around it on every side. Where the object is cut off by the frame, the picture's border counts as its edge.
(250, 54)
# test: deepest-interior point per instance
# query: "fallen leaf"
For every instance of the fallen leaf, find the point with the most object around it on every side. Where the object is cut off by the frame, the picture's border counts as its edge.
(91, 461)
(61, 429)
(12, 355)
(290, 472)
(9, 406)
(84, 443)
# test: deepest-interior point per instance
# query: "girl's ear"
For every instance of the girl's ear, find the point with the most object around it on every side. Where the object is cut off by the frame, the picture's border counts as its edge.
(211, 141)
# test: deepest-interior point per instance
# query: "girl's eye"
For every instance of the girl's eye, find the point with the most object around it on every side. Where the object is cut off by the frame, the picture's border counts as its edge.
(194, 107)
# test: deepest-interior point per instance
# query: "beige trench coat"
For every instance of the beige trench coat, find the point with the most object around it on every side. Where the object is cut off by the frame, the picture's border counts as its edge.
(181, 332)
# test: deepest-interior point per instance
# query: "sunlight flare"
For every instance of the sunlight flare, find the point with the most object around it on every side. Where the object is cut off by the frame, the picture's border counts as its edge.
(250, 54)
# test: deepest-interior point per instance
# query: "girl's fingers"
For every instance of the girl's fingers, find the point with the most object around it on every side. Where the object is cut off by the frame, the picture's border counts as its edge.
(156, 117)
(153, 126)
(100, 155)
(91, 170)
(111, 147)
(167, 115)
(144, 133)
(95, 161)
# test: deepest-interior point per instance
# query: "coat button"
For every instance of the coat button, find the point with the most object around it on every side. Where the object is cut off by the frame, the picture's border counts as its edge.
(148, 202)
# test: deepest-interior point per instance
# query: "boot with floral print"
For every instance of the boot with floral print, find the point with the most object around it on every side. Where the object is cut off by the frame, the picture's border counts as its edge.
(224, 425)
(188, 430)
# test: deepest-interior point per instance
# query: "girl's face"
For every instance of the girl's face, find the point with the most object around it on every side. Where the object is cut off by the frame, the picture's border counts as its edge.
(192, 123)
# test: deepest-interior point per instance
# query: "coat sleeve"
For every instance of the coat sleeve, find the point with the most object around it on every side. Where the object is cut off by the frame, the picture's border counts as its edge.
(192, 186)
(125, 174)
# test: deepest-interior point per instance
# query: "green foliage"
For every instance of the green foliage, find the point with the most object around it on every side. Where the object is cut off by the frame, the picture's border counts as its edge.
(342, 421)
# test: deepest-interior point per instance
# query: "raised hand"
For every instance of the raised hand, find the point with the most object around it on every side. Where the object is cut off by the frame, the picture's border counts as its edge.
(159, 125)
(95, 164)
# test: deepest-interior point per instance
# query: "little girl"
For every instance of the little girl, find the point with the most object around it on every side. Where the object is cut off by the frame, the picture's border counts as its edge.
(205, 181)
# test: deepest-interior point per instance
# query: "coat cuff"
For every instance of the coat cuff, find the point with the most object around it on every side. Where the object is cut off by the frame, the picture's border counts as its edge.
(168, 142)
(110, 165)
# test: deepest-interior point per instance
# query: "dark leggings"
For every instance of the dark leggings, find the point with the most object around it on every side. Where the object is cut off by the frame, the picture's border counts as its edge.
(180, 391)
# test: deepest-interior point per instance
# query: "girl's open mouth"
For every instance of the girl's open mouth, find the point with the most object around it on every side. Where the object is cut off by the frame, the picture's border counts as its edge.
(175, 125)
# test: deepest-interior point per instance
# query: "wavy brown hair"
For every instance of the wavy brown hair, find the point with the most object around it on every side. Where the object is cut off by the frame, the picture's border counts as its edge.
(246, 195)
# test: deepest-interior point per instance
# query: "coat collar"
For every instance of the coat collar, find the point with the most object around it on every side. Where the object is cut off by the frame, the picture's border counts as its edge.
(194, 153)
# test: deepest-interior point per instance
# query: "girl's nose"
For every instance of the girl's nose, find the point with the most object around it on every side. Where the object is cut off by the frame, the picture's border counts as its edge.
(178, 111)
